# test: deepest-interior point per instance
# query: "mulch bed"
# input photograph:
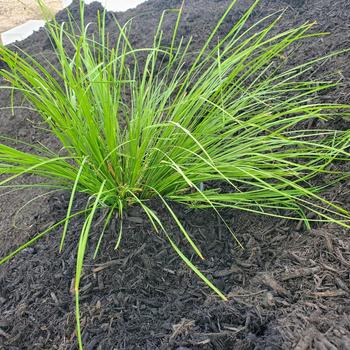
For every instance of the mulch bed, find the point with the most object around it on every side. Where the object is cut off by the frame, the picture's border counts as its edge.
(288, 289)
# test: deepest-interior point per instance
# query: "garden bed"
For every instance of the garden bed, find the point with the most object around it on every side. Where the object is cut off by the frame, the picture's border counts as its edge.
(288, 289)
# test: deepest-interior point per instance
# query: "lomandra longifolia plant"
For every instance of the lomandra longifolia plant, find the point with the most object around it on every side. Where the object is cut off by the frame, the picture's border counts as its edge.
(218, 128)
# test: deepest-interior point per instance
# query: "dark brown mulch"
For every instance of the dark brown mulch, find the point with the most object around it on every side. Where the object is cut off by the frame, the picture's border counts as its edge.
(288, 289)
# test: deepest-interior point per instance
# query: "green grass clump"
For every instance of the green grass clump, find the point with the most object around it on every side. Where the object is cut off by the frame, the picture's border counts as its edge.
(227, 131)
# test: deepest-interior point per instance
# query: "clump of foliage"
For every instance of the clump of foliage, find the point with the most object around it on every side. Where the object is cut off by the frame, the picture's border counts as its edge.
(134, 132)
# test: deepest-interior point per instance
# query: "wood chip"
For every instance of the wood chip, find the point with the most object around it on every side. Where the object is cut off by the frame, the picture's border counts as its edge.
(341, 258)
(4, 334)
(302, 272)
(183, 326)
(304, 342)
(72, 287)
(202, 342)
(331, 268)
(330, 293)
(101, 267)
(269, 281)
(341, 284)
(54, 298)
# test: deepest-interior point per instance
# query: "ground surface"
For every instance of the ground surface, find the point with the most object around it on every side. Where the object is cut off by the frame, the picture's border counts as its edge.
(288, 289)
(15, 12)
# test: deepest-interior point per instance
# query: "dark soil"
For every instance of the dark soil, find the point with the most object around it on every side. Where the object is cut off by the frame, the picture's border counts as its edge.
(288, 289)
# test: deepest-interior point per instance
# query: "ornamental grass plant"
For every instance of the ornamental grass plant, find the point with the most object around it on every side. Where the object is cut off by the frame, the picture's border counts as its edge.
(220, 128)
